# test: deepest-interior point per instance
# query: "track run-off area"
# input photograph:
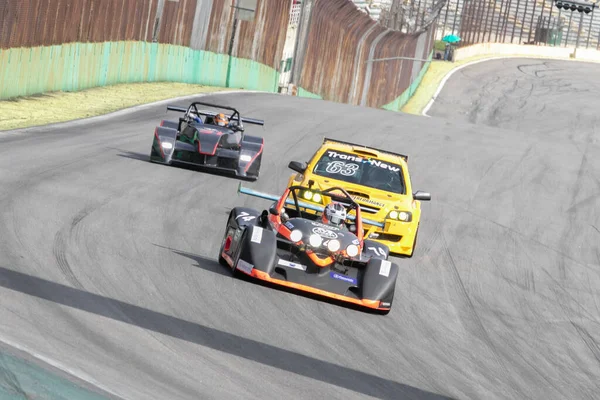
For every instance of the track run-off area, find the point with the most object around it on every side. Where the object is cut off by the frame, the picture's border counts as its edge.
(108, 263)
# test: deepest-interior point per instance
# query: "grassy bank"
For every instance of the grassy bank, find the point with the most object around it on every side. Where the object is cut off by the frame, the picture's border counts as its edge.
(66, 106)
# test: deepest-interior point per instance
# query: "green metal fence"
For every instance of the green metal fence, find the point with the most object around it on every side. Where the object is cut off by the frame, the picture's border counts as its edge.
(77, 66)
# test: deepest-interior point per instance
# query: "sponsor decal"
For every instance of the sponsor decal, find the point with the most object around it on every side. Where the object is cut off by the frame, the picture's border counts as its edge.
(379, 251)
(344, 278)
(245, 266)
(256, 235)
(350, 157)
(245, 216)
(385, 304)
(315, 223)
(326, 233)
(292, 264)
(384, 268)
(368, 201)
(289, 225)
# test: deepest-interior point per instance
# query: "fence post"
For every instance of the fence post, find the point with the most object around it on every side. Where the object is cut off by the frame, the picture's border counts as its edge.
(301, 38)
(357, 63)
(159, 10)
(367, 81)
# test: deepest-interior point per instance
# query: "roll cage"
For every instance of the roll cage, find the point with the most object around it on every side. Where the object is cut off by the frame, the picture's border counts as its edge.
(344, 199)
(234, 116)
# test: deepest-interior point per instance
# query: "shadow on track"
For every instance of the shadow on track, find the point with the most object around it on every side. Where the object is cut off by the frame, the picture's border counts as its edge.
(355, 380)
(211, 265)
(201, 261)
(197, 168)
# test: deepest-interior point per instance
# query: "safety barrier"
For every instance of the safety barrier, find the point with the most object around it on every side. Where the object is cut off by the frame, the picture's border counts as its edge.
(77, 66)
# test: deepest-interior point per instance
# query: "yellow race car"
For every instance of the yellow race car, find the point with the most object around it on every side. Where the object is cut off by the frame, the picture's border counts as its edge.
(376, 179)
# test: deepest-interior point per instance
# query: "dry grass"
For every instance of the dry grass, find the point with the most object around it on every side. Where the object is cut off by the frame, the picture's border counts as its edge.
(66, 106)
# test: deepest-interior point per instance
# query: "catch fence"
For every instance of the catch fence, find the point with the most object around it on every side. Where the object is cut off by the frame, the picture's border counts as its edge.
(190, 23)
(343, 55)
(534, 22)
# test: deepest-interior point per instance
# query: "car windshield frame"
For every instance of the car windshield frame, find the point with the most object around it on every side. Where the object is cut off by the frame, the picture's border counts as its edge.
(371, 164)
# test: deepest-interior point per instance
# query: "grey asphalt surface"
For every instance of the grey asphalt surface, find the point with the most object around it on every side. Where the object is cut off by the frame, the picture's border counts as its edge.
(108, 262)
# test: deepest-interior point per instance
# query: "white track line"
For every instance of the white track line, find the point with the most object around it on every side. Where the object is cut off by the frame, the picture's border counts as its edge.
(56, 364)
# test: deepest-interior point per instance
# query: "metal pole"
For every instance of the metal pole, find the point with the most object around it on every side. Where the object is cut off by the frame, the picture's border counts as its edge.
(230, 52)
(587, 43)
(512, 35)
(446, 18)
(397, 58)
(531, 23)
(492, 22)
(455, 16)
(541, 19)
(569, 29)
(299, 30)
(522, 26)
(579, 32)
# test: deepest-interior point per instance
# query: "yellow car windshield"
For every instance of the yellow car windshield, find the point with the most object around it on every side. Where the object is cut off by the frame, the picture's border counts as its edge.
(360, 170)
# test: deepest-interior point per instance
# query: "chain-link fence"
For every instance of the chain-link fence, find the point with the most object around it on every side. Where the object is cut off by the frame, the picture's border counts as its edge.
(538, 22)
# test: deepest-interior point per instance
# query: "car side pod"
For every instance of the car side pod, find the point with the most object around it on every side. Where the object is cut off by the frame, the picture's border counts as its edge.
(379, 281)
(258, 250)
(163, 145)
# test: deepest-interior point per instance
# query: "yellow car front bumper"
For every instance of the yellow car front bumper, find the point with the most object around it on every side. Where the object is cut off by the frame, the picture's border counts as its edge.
(397, 235)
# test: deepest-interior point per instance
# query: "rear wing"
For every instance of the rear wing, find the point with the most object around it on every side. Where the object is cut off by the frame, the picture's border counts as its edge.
(302, 204)
(329, 140)
(235, 115)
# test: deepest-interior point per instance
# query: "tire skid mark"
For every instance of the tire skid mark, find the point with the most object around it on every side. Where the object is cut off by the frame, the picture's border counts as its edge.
(59, 249)
(547, 247)
(463, 293)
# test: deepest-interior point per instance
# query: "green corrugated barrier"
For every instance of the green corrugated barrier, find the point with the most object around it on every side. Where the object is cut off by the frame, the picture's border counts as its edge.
(305, 93)
(77, 66)
(400, 101)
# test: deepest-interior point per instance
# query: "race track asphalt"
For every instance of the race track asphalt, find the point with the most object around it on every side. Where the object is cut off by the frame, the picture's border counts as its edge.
(108, 262)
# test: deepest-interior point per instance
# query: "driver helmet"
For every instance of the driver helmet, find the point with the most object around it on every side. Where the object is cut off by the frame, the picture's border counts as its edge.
(221, 119)
(334, 214)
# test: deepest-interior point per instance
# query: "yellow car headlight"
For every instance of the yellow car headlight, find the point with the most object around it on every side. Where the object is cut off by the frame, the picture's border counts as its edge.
(316, 197)
(404, 216)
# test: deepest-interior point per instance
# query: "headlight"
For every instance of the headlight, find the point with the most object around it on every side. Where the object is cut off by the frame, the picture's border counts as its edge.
(316, 197)
(245, 158)
(315, 240)
(296, 235)
(403, 216)
(333, 245)
(352, 250)
(166, 145)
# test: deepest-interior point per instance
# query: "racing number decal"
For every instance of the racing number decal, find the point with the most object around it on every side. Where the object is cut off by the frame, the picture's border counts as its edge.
(377, 250)
(245, 216)
(340, 167)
